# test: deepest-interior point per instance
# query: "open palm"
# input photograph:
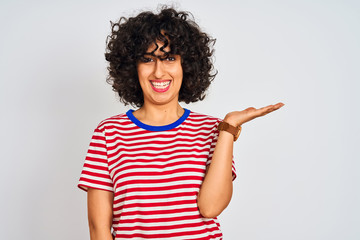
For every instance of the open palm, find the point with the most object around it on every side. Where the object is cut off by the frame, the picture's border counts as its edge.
(238, 118)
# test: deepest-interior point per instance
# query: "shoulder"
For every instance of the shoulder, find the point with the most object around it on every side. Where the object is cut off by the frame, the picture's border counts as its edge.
(202, 116)
(204, 119)
(113, 122)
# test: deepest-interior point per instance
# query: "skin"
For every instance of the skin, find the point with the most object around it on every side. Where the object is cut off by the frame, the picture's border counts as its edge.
(100, 214)
(162, 108)
(216, 190)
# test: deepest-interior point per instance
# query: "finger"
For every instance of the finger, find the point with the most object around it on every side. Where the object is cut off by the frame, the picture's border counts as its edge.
(268, 109)
(252, 113)
(250, 109)
(276, 106)
(279, 105)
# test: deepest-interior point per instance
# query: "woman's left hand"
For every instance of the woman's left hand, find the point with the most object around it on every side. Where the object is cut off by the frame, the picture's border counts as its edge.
(238, 118)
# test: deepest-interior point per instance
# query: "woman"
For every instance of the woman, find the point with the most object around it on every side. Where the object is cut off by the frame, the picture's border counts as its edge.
(147, 172)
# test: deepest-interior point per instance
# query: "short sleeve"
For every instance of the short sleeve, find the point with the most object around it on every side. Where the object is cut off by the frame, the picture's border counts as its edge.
(212, 148)
(95, 172)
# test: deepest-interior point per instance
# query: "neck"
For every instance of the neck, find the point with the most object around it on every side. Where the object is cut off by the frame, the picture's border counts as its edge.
(159, 115)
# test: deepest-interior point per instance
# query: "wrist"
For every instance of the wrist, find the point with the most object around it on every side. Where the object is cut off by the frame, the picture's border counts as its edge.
(231, 121)
(228, 127)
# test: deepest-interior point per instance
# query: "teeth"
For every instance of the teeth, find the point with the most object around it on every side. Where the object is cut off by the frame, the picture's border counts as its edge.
(160, 84)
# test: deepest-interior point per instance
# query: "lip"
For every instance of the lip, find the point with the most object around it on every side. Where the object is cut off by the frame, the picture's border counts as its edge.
(158, 81)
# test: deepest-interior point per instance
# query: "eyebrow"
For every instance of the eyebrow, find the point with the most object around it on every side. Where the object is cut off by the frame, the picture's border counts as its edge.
(165, 55)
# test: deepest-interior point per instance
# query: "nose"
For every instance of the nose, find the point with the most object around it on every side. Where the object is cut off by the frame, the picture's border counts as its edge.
(159, 70)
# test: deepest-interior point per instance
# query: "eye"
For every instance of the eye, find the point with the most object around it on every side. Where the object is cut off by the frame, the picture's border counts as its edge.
(170, 58)
(146, 59)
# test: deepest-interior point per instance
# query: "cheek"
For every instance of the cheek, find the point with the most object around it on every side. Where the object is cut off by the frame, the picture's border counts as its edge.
(178, 72)
(141, 72)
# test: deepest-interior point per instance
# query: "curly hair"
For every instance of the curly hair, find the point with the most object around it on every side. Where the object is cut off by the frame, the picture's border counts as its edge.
(130, 38)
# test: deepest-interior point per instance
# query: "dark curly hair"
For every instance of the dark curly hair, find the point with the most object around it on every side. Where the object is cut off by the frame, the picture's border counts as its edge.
(130, 38)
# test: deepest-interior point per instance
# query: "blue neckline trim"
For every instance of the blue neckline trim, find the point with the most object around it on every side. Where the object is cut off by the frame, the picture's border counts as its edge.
(170, 126)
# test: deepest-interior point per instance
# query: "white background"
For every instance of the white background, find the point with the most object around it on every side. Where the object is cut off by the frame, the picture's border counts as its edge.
(298, 168)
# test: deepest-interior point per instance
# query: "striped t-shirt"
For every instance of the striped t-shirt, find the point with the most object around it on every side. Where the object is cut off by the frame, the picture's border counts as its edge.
(155, 173)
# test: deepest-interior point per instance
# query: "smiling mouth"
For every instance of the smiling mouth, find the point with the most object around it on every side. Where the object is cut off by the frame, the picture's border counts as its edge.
(160, 86)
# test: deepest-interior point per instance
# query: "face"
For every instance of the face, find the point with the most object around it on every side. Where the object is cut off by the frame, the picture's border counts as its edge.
(160, 78)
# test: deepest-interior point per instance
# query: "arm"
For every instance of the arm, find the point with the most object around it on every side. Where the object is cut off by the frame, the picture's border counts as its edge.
(100, 214)
(216, 190)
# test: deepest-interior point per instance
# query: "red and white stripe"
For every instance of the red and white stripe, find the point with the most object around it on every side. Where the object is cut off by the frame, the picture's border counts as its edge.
(155, 176)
